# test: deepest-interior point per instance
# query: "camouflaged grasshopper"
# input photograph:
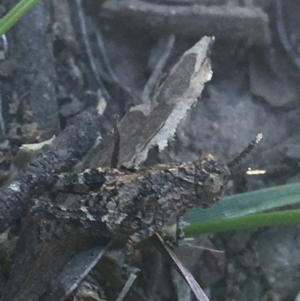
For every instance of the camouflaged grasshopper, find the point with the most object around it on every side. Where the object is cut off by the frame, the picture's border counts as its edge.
(138, 203)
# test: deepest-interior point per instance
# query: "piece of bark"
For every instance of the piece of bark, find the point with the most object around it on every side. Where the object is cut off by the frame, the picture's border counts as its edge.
(75, 270)
(67, 149)
(225, 22)
(145, 127)
(43, 270)
(34, 79)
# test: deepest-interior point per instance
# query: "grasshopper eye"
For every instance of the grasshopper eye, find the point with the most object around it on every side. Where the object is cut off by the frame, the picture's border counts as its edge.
(211, 180)
(214, 184)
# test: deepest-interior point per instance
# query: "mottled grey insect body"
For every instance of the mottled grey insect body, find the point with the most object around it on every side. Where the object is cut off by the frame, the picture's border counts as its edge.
(140, 203)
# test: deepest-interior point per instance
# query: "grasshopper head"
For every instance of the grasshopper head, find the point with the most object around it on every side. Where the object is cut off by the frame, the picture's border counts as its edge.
(211, 180)
(211, 177)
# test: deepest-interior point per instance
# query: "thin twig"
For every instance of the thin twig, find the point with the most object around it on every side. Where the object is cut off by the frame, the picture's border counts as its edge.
(101, 47)
(111, 76)
(127, 287)
(153, 79)
(2, 125)
(88, 48)
(179, 267)
(116, 151)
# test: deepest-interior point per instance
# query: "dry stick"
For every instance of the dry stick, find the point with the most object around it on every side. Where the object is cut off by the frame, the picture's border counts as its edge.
(283, 35)
(111, 75)
(36, 71)
(116, 151)
(67, 149)
(89, 50)
(127, 287)
(2, 125)
(179, 267)
(101, 47)
(153, 80)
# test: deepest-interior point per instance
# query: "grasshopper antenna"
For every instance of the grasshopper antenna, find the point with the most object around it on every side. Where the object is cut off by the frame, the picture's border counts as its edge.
(246, 151)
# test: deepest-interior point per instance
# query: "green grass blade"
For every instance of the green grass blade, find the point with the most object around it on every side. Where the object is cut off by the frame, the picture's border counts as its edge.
(245, 222)
(247, 203)
(15, 14)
